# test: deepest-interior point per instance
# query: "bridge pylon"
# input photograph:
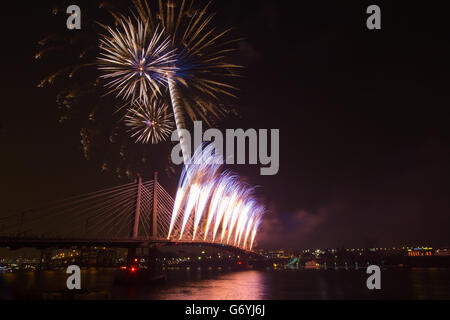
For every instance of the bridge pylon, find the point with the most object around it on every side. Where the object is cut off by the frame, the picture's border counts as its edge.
(139, 207)
(137, 212)
(154, 233)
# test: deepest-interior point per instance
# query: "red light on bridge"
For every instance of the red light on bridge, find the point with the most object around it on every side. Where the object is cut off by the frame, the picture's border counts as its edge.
(240, 262)
(133, 269)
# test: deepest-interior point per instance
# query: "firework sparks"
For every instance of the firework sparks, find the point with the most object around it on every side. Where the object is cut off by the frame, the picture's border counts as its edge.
(150, 122)
(213, 200)
(135, 59)
(197, 84)
(177, 46)
(81, 98)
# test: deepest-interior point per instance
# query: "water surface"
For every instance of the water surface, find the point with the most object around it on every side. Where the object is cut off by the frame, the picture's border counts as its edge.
(415, 283)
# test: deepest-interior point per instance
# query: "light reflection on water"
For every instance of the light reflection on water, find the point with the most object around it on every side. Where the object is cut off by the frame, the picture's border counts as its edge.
(413, 283)
(244, 285)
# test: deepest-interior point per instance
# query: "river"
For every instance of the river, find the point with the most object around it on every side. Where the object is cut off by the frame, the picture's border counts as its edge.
(413, 283)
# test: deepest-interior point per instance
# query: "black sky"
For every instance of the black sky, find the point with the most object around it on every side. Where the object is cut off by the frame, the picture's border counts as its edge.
(363, 118)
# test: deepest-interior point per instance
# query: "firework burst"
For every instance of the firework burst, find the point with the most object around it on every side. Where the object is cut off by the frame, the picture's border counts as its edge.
(150, 122)
(196, 73)
(135, 60)
(197, 83)
(214, 206)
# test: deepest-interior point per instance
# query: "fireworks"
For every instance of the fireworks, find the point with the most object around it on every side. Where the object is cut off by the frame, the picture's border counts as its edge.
(150, 122)
(81, 98)
(186, 52)
(175, 46)
(214, 206)
(201, 62)
(136, 60)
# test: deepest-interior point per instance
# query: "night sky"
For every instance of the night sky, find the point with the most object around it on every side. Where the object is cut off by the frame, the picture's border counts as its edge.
(363, 118)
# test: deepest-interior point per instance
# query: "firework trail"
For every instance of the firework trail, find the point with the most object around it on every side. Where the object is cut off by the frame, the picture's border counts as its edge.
(213, 200)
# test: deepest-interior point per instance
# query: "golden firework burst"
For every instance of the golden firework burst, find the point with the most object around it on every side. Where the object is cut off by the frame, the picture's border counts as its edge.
(149, 122)
(135, 59)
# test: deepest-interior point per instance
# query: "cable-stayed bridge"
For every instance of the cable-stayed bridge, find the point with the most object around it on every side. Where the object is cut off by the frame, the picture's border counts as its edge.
(132, 215)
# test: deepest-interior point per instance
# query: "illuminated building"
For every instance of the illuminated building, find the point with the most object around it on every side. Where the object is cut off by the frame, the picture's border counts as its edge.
(420, 252)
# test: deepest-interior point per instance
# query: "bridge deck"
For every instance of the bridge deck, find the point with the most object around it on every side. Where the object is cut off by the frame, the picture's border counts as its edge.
(40, 243)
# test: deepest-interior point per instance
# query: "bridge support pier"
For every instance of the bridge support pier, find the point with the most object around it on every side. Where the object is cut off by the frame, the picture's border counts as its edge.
(46, 258)
(131, 255)
(153, 263)
(82, 259)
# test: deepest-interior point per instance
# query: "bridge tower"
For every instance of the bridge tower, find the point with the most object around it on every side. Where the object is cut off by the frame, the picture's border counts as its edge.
(154, 234)
(137, 218)
(137, 213)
